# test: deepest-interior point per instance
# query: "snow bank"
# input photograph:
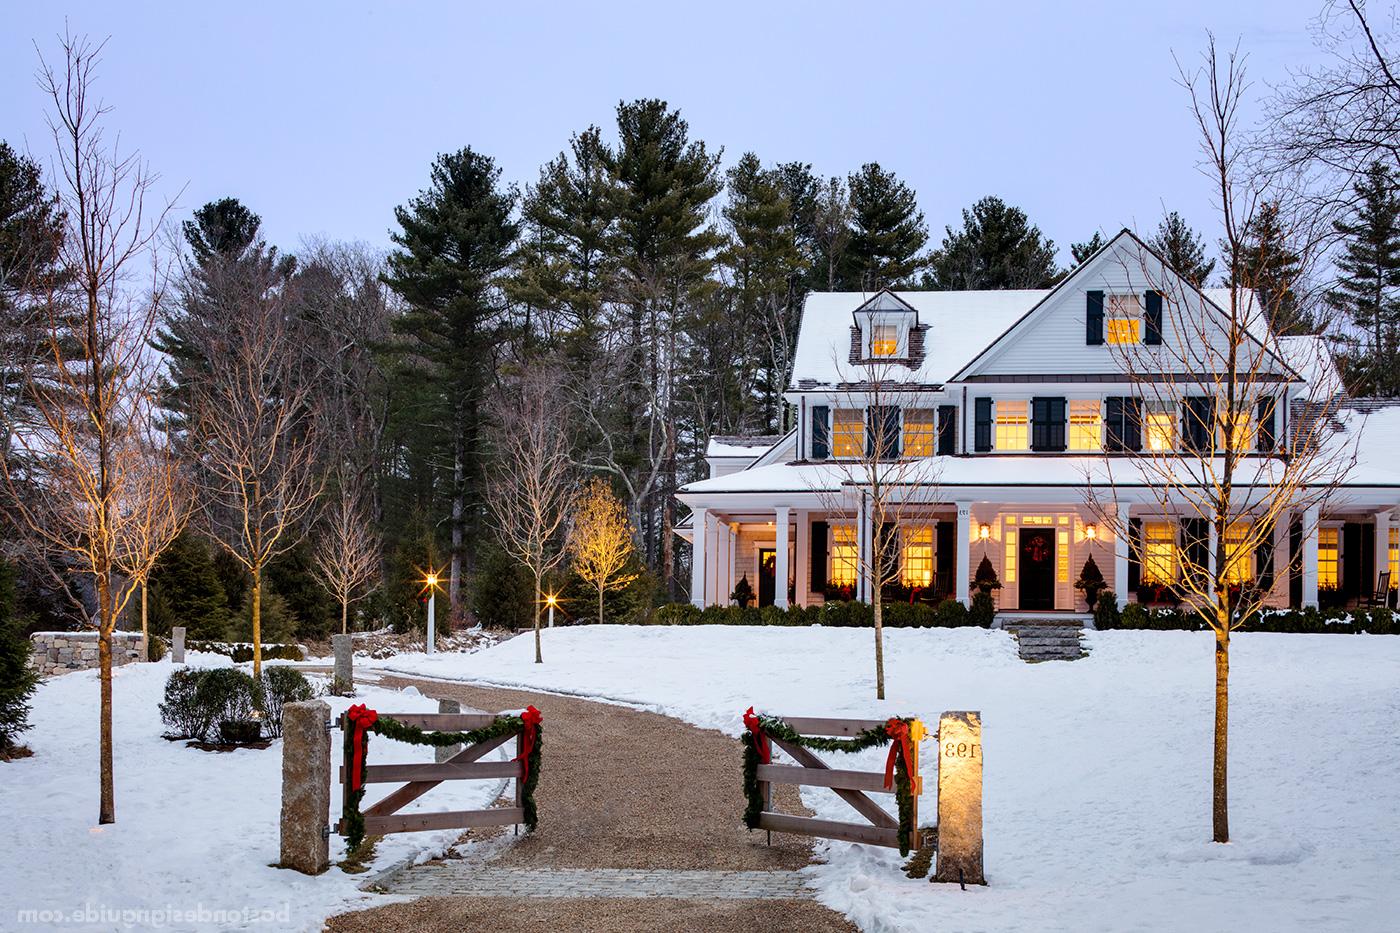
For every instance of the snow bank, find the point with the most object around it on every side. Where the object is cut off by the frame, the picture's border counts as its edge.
(195, 832)
(1097, 797)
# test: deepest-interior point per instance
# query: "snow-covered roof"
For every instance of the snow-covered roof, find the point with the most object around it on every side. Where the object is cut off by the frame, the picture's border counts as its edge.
(960, 325)
(740, 446)
(1310, 357)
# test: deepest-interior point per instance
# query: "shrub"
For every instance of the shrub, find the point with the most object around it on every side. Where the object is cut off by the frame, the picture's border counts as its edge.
(155, 648)
(241, 652)
(1106, 615)
(983, 609)
(951, 613)
(280, 686)
(198, 702)
(179, 711)
(17, 678)
(676, 614)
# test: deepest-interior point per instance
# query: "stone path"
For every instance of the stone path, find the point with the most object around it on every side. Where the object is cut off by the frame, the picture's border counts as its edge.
(639, 830)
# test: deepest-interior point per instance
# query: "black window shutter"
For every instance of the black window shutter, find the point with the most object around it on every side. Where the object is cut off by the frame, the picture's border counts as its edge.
(1132, 423)
(1134, 555)
(1152, 317)
(1198, 422)
(821, 432)
(944, 556)
(1368, 559)
(1295, 564)
(1195, 545)
(1264, 560)
(1047, 424)
(1113, 422)
(947, 429)
(891, 429)
(1266, 424)
(1093, 319)
(817, 548)
(982, 434)
(1351, 559)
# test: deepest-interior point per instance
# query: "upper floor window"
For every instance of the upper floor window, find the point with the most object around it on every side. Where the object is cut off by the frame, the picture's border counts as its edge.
(1159, 426)
(1085, 424)
(1013, 425)
(1123, 324)
(884, 340)
(847, 433)
(918, 432)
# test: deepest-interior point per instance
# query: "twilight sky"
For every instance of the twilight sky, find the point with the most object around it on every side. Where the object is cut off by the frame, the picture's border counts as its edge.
(322, 117)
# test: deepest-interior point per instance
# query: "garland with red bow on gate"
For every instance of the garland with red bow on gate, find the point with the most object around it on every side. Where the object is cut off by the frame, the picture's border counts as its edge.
(901, 734)
(363, 721)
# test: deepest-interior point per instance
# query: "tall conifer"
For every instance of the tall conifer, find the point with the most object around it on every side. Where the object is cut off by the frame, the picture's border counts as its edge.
(1368, 283)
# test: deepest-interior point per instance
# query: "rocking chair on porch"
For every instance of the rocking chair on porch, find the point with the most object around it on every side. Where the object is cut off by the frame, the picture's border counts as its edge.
(1381, 597)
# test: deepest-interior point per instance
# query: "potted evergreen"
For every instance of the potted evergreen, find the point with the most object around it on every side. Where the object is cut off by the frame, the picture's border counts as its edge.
(985, 580)
(743, 592)
(1091, 583)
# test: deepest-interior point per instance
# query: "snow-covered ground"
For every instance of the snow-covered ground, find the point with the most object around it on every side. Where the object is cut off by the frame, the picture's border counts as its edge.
(196, 832)
(1097, 772)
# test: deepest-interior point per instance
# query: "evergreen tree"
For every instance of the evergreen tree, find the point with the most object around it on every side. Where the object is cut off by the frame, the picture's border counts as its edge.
(1267, 265)
(1368, 279)
(831, 235)
(888, 231)
(455, 240)
(1183, 249)
(997, 247)
(1082, 251)
(185, 589)
(17, 678)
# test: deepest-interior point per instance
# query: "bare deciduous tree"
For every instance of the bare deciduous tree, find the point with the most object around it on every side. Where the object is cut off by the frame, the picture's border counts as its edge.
(98, 489)
(1210, 398)
(601, 540)
(532, 489)
(347, 550)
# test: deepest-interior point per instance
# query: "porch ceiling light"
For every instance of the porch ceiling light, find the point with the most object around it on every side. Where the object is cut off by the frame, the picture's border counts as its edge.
(984, 531)
(1091, 531)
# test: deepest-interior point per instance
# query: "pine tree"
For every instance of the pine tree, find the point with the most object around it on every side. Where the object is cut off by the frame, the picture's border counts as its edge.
(1082, 251)
(997, 247)
(17, 678)
(888, 231)
(455, 240)
(1369, 276)
(831, 235)
(1183, 249)
(1265, 264)
(188, 591)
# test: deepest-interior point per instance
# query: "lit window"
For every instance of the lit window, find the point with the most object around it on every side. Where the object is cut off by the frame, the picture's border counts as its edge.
(1013, 426)
(1159, 426)
(843, 556)
(1124, 324)
(847, 433)
(1158, 552)
(1085, 425)
(1241, 432)
(918, 432)
(1239, 563)
(884, 339)
(1394, 562)
(1327, 557)
(1062, 557)
(918, 556)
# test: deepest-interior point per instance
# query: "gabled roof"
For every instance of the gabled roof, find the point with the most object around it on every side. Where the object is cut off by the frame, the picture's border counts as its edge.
(886, 301)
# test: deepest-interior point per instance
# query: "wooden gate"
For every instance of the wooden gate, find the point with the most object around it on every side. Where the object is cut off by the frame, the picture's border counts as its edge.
(850, 786)
(383, 817)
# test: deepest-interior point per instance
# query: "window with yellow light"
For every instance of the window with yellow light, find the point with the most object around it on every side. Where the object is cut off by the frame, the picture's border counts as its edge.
(1239, 562)
(844, 557)
(918, 556)
(848, 432)
(1013, 425)
(884, 339)
(1328, 552)
(1124, 319)
(1085, 424)
(918, 432)
(1159, 426)
(1158, 552)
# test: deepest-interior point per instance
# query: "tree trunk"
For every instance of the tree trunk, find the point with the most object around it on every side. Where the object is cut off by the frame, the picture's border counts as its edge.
(107, 807)
(344, 616)
(600, 604)
(145, 633)
(1219, 809)
(879, 644)
(454, 579)
(257, 620)
(539, 659)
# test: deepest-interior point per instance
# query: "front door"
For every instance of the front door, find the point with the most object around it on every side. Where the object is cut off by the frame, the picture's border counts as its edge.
(1037, 568)
(767, 574)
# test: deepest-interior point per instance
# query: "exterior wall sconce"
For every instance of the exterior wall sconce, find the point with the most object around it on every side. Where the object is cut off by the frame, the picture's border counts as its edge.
(984, 531)
(1091, 531)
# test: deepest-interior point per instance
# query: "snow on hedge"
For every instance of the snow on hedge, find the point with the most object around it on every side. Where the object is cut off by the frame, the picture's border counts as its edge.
(1097, 797)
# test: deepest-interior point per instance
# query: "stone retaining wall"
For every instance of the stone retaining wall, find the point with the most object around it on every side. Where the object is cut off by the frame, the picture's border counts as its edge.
(61, 652)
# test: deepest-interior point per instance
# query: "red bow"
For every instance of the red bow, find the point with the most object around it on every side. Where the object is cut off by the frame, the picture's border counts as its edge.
(361, 718)
(760, 741)
(898, 730)
(531, 718)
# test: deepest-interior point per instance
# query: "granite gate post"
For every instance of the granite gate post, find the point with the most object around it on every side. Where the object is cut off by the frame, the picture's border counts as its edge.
(960, 798)
(306, 786)
(343, 680)
(177, 644)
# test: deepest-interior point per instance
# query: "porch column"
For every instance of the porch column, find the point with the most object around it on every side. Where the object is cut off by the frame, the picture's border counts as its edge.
(1212, 542)
(699, 526)
(780, 547)
(962, 572)
(1382, 550)
(723, 560)
(1122, 542)
(863, 541)
(731, 552)
(802, 553)
(1310, 520)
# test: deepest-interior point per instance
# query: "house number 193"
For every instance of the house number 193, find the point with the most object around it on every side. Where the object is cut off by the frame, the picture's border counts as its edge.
(961, 749)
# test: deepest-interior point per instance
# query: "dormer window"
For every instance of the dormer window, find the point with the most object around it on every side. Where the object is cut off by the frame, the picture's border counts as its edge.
(884, 340)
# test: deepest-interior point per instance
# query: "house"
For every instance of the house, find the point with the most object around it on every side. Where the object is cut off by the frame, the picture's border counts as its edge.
(1016, 423)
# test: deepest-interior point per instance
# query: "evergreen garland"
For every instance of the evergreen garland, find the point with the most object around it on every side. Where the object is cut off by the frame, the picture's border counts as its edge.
(353, 821)
(874, 737)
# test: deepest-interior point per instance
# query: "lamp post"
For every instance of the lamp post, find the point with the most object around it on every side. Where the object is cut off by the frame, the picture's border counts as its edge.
(551, 600)
(430, 583)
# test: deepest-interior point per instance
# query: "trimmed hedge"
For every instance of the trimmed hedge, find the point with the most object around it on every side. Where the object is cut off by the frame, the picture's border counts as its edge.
(242, 652)
(1380, 621)
(199, 700)
(841, 614)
